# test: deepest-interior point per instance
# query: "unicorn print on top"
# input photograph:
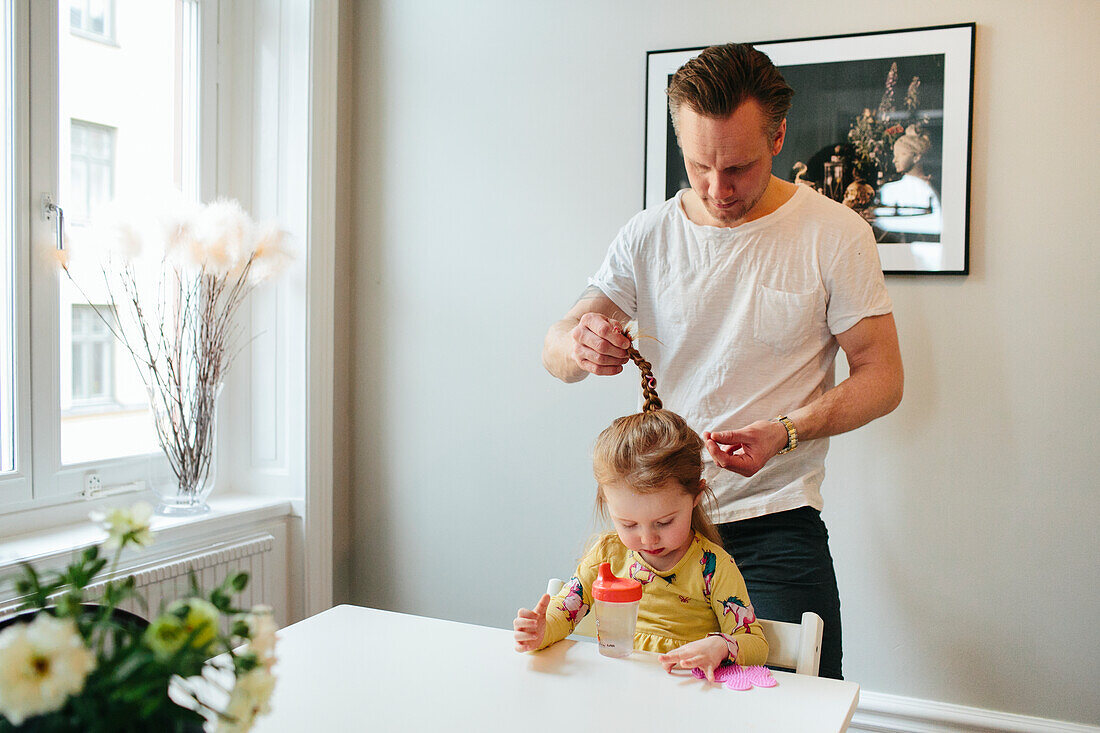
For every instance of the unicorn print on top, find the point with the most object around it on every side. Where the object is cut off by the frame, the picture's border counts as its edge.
(743, 614)
(641, 573)
(573, 602)
(708, 561)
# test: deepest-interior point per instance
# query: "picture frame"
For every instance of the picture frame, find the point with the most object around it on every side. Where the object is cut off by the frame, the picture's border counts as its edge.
(892, 110)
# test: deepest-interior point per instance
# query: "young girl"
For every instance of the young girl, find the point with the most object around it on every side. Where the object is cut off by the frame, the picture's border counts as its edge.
(695, 610)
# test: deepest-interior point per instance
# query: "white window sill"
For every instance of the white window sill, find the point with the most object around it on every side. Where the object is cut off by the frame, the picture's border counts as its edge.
(227, 512)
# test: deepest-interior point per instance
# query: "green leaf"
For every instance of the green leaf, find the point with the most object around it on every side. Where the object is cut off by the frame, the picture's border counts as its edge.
(220, 599)
(245, 663)
(240, 581)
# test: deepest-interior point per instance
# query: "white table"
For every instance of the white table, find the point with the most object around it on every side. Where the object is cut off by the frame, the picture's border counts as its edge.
(352, 668)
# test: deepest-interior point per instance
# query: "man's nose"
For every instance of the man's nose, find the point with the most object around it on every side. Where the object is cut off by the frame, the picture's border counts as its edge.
(720, 188)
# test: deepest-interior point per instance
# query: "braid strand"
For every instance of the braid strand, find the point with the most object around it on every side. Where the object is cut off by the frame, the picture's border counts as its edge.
(649, 383)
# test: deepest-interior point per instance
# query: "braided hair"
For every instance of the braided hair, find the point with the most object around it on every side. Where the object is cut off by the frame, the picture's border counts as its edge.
(649, 382)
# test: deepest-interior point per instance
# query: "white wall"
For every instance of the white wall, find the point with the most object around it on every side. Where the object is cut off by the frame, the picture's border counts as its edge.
(493, 150)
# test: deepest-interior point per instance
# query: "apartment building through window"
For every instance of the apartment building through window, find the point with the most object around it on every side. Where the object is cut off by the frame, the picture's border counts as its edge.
(93, 19)
(92, 168)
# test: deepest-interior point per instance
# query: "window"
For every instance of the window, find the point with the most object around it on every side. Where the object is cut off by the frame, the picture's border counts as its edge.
(119, 147)
(93, 347)
(92, 169)
(85, 124)
(93, 18)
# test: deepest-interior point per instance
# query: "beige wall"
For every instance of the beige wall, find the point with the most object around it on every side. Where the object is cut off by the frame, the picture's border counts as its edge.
(492, 150)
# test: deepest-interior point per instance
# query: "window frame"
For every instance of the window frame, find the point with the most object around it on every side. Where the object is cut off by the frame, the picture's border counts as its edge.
(8, 288)
(15, 485)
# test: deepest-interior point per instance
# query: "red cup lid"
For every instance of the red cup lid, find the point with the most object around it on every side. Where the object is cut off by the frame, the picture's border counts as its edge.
(613, 589)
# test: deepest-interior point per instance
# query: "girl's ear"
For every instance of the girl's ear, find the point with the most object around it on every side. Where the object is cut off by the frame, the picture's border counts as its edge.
(702, 490)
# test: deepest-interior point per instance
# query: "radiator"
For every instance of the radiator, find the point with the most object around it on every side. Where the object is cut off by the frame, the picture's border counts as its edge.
(165, 580)
(161, 583)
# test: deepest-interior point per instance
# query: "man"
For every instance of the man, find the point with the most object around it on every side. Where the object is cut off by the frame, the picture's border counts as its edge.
(747, 285)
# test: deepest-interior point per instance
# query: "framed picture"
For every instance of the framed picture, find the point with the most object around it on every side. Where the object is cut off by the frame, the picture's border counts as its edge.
(880, 121)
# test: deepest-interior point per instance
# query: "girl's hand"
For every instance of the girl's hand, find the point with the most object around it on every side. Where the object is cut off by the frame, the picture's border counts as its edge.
(530, 626)
(706, 654)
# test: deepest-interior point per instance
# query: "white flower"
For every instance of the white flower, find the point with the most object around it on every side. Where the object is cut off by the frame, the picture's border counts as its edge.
(41, 664)
(250, 699)
(125, 525)
(261, 633)
(269, 258)
(222, 234)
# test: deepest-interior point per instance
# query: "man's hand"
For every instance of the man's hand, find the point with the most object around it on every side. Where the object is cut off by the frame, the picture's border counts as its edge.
(873, 388)
(530, 626)
(745, 451)
(599, 346)
(706, 654)
(589, 340)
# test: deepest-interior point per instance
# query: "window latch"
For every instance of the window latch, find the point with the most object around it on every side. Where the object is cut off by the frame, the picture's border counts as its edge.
(49, 208)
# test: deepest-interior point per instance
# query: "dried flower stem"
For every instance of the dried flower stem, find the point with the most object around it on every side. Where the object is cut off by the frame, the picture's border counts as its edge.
(182, 353)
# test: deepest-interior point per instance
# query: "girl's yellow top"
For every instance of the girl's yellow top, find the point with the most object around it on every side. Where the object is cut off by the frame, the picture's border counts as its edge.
(703, 594)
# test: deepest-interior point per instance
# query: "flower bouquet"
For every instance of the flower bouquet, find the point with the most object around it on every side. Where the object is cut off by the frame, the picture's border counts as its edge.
(174, 286)
(873, 133)
(77, 666)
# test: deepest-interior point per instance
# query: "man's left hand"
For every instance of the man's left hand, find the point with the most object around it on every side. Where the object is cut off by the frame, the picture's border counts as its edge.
(745, 451)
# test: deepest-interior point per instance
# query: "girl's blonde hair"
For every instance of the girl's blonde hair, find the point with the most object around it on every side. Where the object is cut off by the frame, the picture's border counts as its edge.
(647, 449)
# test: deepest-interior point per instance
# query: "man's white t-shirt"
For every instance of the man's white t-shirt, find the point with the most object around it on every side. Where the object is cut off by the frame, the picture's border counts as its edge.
(739, 325)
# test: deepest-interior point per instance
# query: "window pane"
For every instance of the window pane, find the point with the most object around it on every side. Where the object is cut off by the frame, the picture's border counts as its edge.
(118, 142)
(93, 348)
(92, 169)
(7, 238)
(94, 17)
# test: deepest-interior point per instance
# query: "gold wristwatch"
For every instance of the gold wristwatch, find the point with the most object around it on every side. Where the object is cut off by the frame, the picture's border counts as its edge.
(792, 434)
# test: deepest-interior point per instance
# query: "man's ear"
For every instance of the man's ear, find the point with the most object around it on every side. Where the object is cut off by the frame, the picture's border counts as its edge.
(780, 137)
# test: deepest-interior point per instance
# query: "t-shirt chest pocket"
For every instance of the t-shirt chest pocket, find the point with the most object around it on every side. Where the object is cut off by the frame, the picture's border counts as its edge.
(784, 320)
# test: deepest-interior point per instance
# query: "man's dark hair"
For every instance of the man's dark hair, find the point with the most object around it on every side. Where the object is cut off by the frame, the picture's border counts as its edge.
(717, 81)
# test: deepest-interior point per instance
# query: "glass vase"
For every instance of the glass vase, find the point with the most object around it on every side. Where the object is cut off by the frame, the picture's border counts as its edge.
(182, 475)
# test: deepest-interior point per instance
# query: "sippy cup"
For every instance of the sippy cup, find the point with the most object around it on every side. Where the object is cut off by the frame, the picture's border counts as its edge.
(615, 601)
